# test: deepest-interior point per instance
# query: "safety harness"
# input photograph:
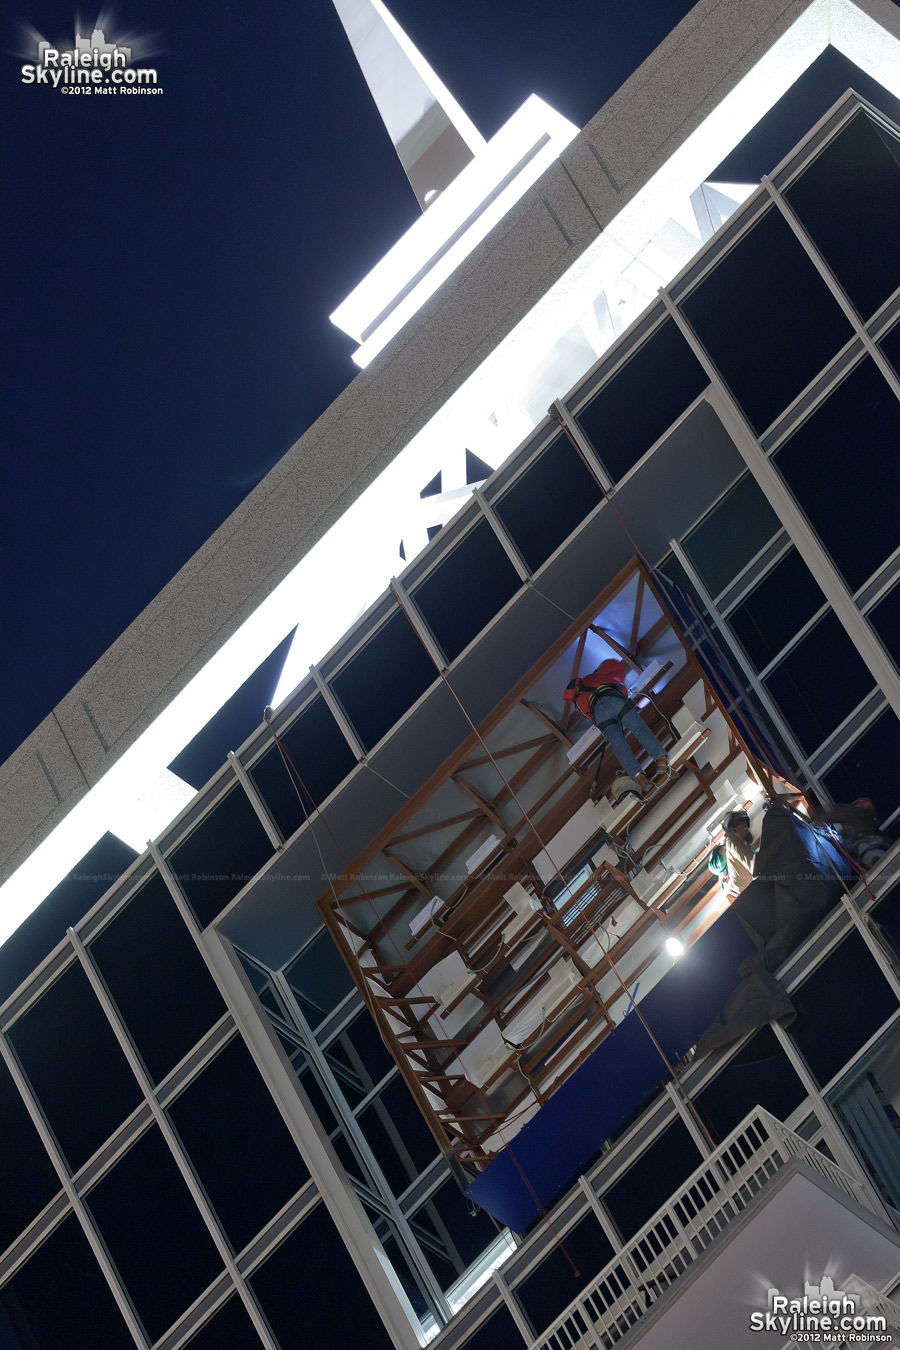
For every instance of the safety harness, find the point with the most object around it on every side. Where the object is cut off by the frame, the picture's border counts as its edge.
(579, 687)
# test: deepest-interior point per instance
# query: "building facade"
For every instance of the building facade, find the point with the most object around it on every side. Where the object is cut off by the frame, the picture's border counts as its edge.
(207, 1139)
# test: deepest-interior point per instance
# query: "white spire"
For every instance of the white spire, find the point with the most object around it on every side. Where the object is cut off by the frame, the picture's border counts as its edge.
(432, 135)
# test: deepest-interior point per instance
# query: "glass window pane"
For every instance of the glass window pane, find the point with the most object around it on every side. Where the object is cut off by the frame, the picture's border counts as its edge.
(651, 1180)
(551, 498)
(75, 1066)
(843, 466)
(228, 847)
(154, 1233)
(781, 604)
(499, 1330)
(233, 723)
(760, 1074)
(78, 892)
(416, 1137)
(887, 915)
(869, 767)
(849, 201)
(867, 1106)
(157, 977)
(555, 1283)
(59, 1300)
(450, 1215)
(621, 421)
(767, 319)
(890, 345)
(384, 679)
(820, 682)
(367, 1051)
(27, 1178)
(731, 534)
(238, 1143)
(828, 1030)
(319, 753)
(230, 1329)
(319, 977)
(468, 587)
(885, 619)
(311, 1281)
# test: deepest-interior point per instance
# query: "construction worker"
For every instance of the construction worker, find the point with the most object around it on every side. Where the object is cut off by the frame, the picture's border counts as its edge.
(603, 698)
(740, 855)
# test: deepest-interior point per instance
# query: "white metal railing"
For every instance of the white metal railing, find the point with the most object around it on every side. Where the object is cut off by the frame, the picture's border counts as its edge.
(876, 1304)
(683, 1228)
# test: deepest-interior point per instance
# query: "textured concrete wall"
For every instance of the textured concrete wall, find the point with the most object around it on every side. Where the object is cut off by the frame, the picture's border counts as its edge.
(384, 406)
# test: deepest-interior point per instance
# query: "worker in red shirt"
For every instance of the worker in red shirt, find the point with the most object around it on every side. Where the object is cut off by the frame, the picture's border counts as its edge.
(603, 698)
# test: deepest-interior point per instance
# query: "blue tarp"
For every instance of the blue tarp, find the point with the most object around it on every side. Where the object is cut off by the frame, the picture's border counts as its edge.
(557, 1143)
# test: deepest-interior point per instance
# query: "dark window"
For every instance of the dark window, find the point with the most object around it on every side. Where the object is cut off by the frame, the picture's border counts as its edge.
(228, 847)
(890, 345)
(349, 1078)
(731, 534)
(767, 319)
(75, 1066)
(885, 619)
(499, 1331)
(468, 587)
(576, 1258)
(643, 399)
(412, 1283)
(869, 767)
(27, 1178)
(843, 467)
(545, 505)
(673, 571)
(310, 1284)
(887, 915)
(319, 977)
(363, 1039)
(849, 201)
(820, 682)
(155, 1235)
(466, 1230)
(398, 1135)
(68, 902)
(238, 1143)
(760, 1074)
(59, 1300)
(781, 604)
(384, 679)
(232, 724)
(651, 1180)
(230, 1329)
(840, 1006)
(316, 750)
(157, 977)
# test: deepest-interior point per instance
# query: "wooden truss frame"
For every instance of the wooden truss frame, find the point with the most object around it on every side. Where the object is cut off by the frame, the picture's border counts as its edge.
(507, 966)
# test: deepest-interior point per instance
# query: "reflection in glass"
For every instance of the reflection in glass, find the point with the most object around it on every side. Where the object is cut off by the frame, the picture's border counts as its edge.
(73, 1061)
(767, 319)
(868, 1104)
(842, 466)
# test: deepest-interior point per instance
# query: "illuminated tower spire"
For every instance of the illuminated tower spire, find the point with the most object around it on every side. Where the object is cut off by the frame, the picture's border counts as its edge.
(433, 137)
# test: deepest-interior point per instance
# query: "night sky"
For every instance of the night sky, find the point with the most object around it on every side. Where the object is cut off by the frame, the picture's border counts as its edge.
(170, 262)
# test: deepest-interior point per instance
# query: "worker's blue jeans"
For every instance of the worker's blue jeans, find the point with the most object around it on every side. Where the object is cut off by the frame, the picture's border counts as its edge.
(610, 705)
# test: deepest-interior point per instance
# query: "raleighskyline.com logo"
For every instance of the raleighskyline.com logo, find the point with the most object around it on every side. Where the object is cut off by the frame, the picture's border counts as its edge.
(822, 1314)
(92, 65)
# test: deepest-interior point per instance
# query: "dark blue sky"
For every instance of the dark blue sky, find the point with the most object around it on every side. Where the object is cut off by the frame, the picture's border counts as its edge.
(169, 265)
(170, 262)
